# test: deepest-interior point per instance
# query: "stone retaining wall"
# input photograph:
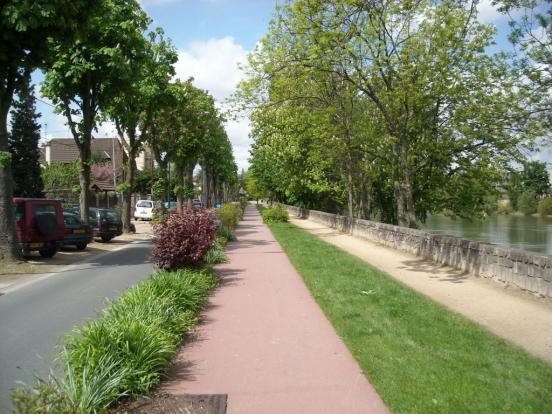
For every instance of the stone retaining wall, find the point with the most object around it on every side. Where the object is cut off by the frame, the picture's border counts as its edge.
(526, 270)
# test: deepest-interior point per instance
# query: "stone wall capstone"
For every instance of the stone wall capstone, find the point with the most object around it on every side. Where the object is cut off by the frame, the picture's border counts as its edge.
(526, 270)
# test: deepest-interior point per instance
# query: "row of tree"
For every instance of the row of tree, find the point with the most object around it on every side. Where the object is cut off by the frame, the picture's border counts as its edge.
(101, 63)
(392, 109)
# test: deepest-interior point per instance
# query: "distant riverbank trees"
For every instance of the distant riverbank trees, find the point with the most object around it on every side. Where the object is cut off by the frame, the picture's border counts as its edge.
(387, 110)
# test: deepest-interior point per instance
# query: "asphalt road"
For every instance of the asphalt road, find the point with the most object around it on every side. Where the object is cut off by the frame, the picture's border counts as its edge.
(35, 317)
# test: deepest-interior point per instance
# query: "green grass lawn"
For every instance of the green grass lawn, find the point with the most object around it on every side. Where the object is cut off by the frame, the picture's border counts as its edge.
(421, 357)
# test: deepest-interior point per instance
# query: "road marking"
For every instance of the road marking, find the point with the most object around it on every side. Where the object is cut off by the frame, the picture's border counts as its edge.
(70, 267)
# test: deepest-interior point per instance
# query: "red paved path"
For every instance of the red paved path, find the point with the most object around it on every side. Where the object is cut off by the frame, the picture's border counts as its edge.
(266, 343)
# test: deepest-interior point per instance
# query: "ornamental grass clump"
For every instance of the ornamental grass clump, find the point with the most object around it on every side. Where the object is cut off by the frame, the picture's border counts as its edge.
(277, 214)
(182, 240)
(216, 255)
(229, 215)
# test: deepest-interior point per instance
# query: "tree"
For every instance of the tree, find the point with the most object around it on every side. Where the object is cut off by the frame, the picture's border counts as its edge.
(133, 109)
(27, 26)
(413, 111)
(23, 145)
(535, 178)
(87, 75)
(532, 35)
(61, 178)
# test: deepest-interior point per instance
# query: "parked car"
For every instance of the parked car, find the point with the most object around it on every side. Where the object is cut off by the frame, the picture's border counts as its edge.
(39, 225)
(77, 233)
(106, 223)
(143, 210)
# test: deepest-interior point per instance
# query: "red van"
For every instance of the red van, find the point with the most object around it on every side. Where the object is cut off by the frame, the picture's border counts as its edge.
(39, 225)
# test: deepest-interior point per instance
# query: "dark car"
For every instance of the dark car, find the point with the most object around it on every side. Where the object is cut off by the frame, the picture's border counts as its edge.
(106, 223)
(77, 233)
(39, 225)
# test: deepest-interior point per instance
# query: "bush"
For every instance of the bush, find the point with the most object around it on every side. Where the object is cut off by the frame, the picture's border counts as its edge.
(226, 233)
(183, 239)
(125, 352)
(229, 215)
(276, 214)
(545, 206)
(527, 202)
(243, 203)
(504, 208)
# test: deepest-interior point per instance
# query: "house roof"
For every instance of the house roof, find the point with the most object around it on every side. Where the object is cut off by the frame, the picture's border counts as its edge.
(65, 149)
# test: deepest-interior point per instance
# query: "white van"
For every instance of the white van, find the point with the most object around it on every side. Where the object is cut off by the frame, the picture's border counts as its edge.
(143, 210)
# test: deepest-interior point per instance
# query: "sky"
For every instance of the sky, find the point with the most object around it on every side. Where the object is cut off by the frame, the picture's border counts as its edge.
(213, 37)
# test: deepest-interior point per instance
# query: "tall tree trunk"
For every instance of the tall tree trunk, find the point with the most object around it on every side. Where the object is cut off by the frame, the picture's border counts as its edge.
(8, 239)
(189, 182)
(398, 188)
(129, 181)
(84, 179)
(180, 172)
(364, 198)
(212, 194)
(407, 184)
(350, 193)
(204, 185)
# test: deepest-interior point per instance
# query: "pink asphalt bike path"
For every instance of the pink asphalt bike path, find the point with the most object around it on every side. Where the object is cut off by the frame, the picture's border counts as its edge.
(265, 342)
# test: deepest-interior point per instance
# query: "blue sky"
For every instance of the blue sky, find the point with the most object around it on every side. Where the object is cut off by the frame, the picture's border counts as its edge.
(212, 38)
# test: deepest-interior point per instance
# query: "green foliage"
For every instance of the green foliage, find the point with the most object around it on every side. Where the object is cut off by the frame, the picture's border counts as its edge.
(23, 144)
(5, 159)
(122, 187)
(229, 215)
(505, 208)
(59, 175)
(159, 188)
(348, 118)
(125, 352)
(277, 214)
(216, 255)
(221, 240)
(534, 177)
(226, 233)
(420, 357)
(544, 207)
(527, 203)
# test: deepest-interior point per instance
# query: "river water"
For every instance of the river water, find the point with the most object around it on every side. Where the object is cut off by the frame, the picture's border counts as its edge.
(521, 232)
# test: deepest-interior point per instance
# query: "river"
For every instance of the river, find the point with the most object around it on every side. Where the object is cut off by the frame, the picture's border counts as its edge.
(521, 232)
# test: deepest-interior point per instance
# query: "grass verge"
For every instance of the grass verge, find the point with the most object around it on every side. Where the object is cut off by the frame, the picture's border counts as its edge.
(420, 357)
(126, 351)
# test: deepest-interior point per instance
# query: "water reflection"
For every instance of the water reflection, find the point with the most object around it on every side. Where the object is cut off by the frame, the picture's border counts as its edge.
(521, 232)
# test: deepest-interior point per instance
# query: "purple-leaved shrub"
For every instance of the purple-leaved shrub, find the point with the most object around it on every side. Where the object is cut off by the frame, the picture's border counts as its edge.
(183, 239)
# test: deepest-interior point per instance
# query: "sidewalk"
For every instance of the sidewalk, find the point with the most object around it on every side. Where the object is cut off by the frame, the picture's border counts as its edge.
(520, 317)
(265, 342)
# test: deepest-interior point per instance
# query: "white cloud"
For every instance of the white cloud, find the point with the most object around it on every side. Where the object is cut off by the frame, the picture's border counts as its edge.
(214, 65)
(488, 13)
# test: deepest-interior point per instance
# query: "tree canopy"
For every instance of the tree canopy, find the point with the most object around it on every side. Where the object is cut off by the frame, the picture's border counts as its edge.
(384, 109)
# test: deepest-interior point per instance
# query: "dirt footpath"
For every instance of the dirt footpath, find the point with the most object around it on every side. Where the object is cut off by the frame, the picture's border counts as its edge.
(36, 266)
(520, 317)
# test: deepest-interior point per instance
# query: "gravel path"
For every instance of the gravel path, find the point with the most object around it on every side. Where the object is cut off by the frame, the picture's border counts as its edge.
(519, 317)
(265, 342)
